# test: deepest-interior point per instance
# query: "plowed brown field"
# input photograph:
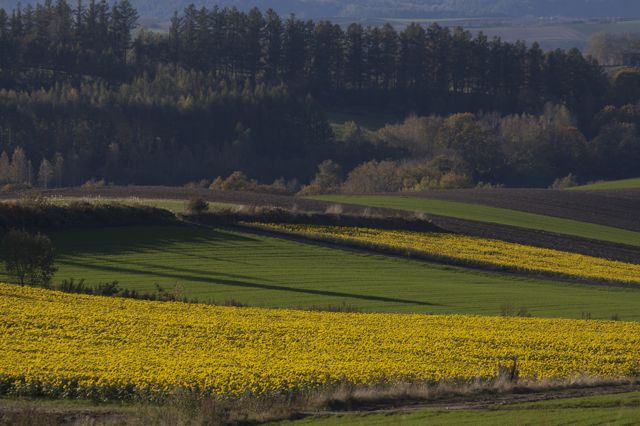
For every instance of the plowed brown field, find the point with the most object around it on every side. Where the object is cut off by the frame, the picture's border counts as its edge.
(617, 208)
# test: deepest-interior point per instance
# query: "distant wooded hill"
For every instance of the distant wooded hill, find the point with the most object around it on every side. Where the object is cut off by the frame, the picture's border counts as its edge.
(163, 9)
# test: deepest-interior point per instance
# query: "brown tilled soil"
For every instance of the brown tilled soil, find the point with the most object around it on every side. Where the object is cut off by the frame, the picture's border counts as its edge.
(627, 202)
(617, 208)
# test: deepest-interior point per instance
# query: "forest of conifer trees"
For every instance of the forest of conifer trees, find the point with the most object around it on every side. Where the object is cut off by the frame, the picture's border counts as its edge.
(86, 94)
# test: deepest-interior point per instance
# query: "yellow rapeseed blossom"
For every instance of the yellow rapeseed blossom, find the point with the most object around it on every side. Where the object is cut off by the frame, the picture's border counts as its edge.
(61, 344)
(473, 250)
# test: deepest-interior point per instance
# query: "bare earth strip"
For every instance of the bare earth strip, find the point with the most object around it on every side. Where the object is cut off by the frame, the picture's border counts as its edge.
(617, 208)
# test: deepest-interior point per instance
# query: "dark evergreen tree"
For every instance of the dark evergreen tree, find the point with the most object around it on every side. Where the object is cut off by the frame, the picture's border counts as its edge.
(355, 56)
(273, 46)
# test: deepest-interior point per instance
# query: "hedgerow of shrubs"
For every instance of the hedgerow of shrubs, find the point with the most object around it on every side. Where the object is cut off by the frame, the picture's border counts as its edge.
(39, 214)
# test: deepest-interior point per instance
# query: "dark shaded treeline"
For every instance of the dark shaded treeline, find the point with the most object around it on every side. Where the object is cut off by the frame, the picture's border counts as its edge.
(36, 215)
(178, 126)
(226, 90)
(433, 70)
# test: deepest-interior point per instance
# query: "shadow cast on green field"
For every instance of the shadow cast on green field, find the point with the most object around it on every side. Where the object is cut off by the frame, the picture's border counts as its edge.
(207, 257)
(127, 240)
(145, 266)
(212, 280)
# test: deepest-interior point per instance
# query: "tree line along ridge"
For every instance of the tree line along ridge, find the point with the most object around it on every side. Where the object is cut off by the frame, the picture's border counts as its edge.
(225, 90)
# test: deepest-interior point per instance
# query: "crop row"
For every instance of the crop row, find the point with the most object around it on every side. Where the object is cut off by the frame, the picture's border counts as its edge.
(472, 250)
(77, 346)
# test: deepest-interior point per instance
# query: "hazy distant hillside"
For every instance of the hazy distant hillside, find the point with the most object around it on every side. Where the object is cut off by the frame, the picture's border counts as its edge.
(399, 8)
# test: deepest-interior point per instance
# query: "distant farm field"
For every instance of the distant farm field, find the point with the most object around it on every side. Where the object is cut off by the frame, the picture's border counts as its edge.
(613, 184)
(265, 271)
(483, 213)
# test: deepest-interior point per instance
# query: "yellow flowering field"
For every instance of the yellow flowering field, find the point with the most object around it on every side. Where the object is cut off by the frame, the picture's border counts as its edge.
(473, 250)
(65, 345)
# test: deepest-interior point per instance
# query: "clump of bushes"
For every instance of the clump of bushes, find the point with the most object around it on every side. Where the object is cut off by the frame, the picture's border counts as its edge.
(113, 289)
(93, 184)
(374, 177)
(238, 181)
(79, 287)
(328, 179)
(508, 310)
(37, 215)
(409, 176)
(343, 307)
(197, 206)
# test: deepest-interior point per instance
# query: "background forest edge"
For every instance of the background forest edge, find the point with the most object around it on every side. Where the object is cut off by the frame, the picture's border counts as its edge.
(289, 73)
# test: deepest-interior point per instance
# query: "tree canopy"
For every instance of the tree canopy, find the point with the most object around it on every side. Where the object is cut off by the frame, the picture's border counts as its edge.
(224, 90)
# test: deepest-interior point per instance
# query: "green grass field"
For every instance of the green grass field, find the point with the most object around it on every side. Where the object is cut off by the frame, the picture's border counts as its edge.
(488, 214)
(266, 271)
(614, 184)
(621, 409)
